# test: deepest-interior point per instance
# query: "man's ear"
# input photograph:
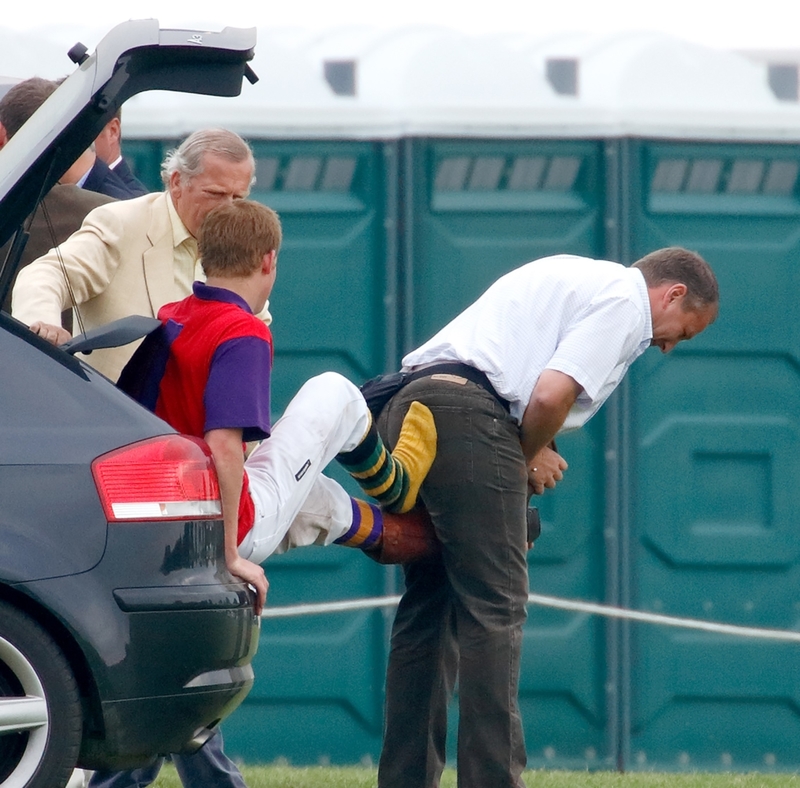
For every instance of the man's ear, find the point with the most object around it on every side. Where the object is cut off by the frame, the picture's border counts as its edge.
(114, 127)
(174, 185)
(675, 292)
(3, 135)
(269, 261)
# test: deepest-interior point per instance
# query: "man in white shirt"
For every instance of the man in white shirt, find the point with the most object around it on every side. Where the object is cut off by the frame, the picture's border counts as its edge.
(536, 354)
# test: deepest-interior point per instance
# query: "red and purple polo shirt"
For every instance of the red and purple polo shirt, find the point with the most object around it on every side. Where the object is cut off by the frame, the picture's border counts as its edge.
(207, 368)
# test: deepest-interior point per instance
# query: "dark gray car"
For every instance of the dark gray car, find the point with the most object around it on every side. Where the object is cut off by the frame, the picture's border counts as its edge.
(122, 633)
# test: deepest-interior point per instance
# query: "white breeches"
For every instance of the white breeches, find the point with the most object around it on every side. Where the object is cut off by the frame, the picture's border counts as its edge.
(295, 504)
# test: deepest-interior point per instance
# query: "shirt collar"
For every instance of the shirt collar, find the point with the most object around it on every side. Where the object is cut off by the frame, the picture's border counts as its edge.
(207, 293)
(179, 231)
(641, 286)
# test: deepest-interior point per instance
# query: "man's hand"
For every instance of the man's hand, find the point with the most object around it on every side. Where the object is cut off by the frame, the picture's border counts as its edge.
(545, 469)
(253, 574)
(55, 335)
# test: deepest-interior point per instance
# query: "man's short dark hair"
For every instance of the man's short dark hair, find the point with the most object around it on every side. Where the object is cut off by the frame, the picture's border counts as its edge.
(675, 264)
(235, 237)
(22, 100)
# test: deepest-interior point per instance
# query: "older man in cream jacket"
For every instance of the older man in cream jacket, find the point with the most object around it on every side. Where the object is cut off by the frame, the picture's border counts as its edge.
(132, 257)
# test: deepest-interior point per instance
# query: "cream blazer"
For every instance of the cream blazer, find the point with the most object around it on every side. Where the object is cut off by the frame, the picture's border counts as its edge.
(119, 263)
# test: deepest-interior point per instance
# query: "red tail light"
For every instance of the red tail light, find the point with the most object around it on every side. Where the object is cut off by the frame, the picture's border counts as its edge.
(171, 477)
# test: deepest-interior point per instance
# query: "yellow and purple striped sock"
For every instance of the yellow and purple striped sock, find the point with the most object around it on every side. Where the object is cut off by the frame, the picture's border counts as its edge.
(366, 528)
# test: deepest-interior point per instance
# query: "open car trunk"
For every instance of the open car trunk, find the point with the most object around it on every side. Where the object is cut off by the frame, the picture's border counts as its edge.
(135, 56)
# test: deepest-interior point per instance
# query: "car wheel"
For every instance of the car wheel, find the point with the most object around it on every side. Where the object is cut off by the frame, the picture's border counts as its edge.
(40, 709)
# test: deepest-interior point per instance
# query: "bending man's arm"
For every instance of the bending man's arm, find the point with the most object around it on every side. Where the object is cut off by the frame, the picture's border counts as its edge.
(551, 399)
(226, 449)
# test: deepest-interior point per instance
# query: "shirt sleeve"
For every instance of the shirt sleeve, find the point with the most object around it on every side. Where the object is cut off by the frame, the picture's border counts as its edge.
(604, 336)
(237, 394)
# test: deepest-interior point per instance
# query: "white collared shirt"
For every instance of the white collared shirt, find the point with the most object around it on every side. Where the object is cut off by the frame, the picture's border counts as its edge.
(589, 319)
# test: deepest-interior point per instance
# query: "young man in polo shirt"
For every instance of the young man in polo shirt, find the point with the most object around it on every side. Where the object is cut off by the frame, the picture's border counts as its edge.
(207, 371)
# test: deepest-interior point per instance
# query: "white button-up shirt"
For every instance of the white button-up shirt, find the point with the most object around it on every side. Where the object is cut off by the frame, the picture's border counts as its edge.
(589, 319)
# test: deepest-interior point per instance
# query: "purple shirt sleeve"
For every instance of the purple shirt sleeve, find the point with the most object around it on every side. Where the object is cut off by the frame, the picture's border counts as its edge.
(238, 387)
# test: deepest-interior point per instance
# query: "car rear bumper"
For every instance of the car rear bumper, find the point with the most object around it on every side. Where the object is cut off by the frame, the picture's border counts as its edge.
(137, 728)
(210, 648)
(160, 640)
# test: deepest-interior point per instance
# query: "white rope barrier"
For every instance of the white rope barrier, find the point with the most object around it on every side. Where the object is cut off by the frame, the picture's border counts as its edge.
(578, 606)
(289, 611)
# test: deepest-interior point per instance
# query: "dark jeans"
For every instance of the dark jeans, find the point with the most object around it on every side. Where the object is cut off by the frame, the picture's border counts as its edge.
(208, 767)
(461, 614)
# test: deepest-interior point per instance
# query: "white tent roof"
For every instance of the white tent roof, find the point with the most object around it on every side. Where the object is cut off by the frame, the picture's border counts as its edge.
(648, 84)
(433, 81)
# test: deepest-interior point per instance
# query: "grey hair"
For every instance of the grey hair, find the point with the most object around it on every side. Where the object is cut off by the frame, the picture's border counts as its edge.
(187, 158)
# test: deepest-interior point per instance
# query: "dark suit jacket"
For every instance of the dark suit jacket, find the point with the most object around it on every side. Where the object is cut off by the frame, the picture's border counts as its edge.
(67, 207)
(104, 180)
(123, 171)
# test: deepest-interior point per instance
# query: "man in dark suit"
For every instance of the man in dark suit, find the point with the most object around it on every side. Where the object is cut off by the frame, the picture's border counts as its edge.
(91, 173)
(101, 178)
(108, 149)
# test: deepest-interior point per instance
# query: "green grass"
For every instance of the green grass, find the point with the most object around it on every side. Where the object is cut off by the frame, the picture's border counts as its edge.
(357, 777)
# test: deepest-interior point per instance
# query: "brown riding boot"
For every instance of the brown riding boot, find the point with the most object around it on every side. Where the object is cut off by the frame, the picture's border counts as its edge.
(406, 537)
